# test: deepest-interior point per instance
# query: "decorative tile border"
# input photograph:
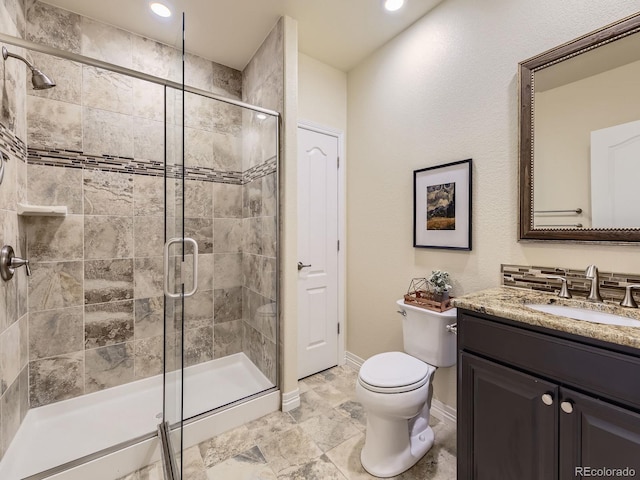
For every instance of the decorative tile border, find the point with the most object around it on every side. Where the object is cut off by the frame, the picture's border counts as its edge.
(111, 163)
(612, 285)
(262, 170)
(9, 143)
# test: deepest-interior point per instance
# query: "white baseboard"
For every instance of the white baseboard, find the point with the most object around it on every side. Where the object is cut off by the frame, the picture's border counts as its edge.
(353, 360)
(291, 400)
(441, 411)
(444, 412)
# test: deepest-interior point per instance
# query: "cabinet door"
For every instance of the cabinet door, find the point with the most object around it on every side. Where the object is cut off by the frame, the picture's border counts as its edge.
(596, 434)
(506, 430)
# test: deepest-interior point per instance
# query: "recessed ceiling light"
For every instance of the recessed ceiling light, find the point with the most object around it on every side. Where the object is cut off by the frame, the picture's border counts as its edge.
(393, 5)
(261, 116)
(160, 9)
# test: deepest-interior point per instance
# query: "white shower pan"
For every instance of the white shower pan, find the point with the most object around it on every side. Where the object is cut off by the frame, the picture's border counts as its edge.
(55, 434)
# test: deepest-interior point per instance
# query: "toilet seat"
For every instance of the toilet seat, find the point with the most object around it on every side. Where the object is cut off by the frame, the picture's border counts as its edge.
(394, 372)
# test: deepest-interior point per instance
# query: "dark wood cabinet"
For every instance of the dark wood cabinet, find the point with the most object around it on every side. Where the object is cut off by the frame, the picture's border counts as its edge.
(598, 435)
(527, 411)
(513, 433)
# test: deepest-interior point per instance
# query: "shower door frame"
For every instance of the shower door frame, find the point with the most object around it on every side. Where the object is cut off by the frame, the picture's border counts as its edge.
(55, 52)
(76, 57)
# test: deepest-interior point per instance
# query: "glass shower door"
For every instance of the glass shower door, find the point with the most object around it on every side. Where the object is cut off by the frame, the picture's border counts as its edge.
(175, 291)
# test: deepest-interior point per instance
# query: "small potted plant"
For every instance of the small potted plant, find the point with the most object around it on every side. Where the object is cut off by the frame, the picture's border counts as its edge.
(439, 285)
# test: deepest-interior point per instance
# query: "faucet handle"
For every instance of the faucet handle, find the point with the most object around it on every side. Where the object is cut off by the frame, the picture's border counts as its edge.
(9, 262)
(564, 291)
(628, 300)
(19, 262)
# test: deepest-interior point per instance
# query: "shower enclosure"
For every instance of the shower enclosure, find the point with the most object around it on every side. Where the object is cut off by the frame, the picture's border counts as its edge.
(153, 302)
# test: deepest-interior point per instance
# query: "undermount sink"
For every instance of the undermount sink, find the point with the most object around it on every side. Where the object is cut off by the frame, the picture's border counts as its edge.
(586, 315)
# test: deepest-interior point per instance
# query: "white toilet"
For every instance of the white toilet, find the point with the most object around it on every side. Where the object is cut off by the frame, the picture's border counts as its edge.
(395, 390)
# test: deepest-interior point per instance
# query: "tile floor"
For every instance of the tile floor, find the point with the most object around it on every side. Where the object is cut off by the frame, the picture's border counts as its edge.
(320, 440)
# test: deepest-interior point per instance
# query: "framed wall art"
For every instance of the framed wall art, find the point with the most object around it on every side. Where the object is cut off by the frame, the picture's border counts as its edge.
(442, 206)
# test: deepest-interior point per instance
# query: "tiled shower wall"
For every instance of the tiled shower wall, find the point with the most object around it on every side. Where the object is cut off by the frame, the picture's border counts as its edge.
(14, 319)
(262, 84)
(96, 293)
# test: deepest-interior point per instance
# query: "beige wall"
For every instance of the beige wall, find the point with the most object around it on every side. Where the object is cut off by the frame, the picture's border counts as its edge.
(288, 214)
(446, 90)
(322, 93)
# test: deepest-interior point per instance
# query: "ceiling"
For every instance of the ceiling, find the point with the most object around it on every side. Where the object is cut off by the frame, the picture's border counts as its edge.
(339, 33)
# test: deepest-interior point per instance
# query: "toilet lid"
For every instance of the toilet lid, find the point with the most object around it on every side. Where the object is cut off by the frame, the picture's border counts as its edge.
(395, 369)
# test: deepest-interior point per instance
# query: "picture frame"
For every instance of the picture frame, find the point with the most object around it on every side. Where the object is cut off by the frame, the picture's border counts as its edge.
(442, 206)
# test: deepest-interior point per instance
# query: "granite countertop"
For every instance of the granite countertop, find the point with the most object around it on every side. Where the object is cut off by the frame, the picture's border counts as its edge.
(509, 302)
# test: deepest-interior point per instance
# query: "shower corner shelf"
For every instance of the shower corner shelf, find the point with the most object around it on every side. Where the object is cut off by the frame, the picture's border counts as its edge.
(42, 210)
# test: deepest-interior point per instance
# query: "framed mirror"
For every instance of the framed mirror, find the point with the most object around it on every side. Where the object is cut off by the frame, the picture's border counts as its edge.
(580, 138)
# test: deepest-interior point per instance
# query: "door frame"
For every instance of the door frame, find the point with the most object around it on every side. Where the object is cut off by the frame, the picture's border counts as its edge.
(342, 228)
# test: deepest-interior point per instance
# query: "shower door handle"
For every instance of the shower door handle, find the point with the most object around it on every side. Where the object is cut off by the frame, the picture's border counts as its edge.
(2, 162)
(166, 267)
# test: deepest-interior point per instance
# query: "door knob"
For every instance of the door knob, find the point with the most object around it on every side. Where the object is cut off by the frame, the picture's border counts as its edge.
(301, 266)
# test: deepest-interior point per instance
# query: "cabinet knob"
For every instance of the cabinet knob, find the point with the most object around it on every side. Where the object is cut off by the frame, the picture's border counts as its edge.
(567, 407)
(547, 399)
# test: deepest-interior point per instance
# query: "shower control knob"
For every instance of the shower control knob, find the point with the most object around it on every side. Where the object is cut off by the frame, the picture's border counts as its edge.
(9, 262)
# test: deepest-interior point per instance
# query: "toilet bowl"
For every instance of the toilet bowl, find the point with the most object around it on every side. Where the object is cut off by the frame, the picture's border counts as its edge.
(395, 390)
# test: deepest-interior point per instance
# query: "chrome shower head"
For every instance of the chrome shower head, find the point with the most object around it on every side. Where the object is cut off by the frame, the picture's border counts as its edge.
(38, 79)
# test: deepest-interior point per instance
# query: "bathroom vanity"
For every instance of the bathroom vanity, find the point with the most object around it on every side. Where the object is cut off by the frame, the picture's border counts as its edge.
(542, 396)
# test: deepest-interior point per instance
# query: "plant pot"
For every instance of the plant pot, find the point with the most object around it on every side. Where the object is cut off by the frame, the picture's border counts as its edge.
(440, 297)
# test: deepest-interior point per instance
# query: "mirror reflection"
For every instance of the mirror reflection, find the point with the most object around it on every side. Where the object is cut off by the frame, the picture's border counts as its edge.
(586, 139)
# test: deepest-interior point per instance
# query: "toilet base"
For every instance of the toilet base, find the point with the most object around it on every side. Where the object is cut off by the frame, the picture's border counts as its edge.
(403, 459)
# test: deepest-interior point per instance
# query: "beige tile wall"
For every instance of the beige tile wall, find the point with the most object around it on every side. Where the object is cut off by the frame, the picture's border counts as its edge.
(91, 315)
(262, 84)
(96, 292)
(14, 318)
(94, 300)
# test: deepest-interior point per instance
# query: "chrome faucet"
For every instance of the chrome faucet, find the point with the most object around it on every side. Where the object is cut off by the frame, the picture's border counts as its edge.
(564, 290)
(628, 300)
(592, 274)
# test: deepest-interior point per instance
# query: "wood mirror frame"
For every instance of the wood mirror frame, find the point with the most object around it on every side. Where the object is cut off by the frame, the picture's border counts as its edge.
(527, 68)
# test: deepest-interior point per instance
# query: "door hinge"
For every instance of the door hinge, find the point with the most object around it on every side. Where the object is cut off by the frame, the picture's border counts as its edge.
(338, 328)
(338, 245)
(338, 161)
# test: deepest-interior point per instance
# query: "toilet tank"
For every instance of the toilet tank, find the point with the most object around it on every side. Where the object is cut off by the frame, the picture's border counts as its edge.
(426, 336)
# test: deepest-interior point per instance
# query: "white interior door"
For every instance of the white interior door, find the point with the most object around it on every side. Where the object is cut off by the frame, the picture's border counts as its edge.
(318, 328)
(615, 170)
